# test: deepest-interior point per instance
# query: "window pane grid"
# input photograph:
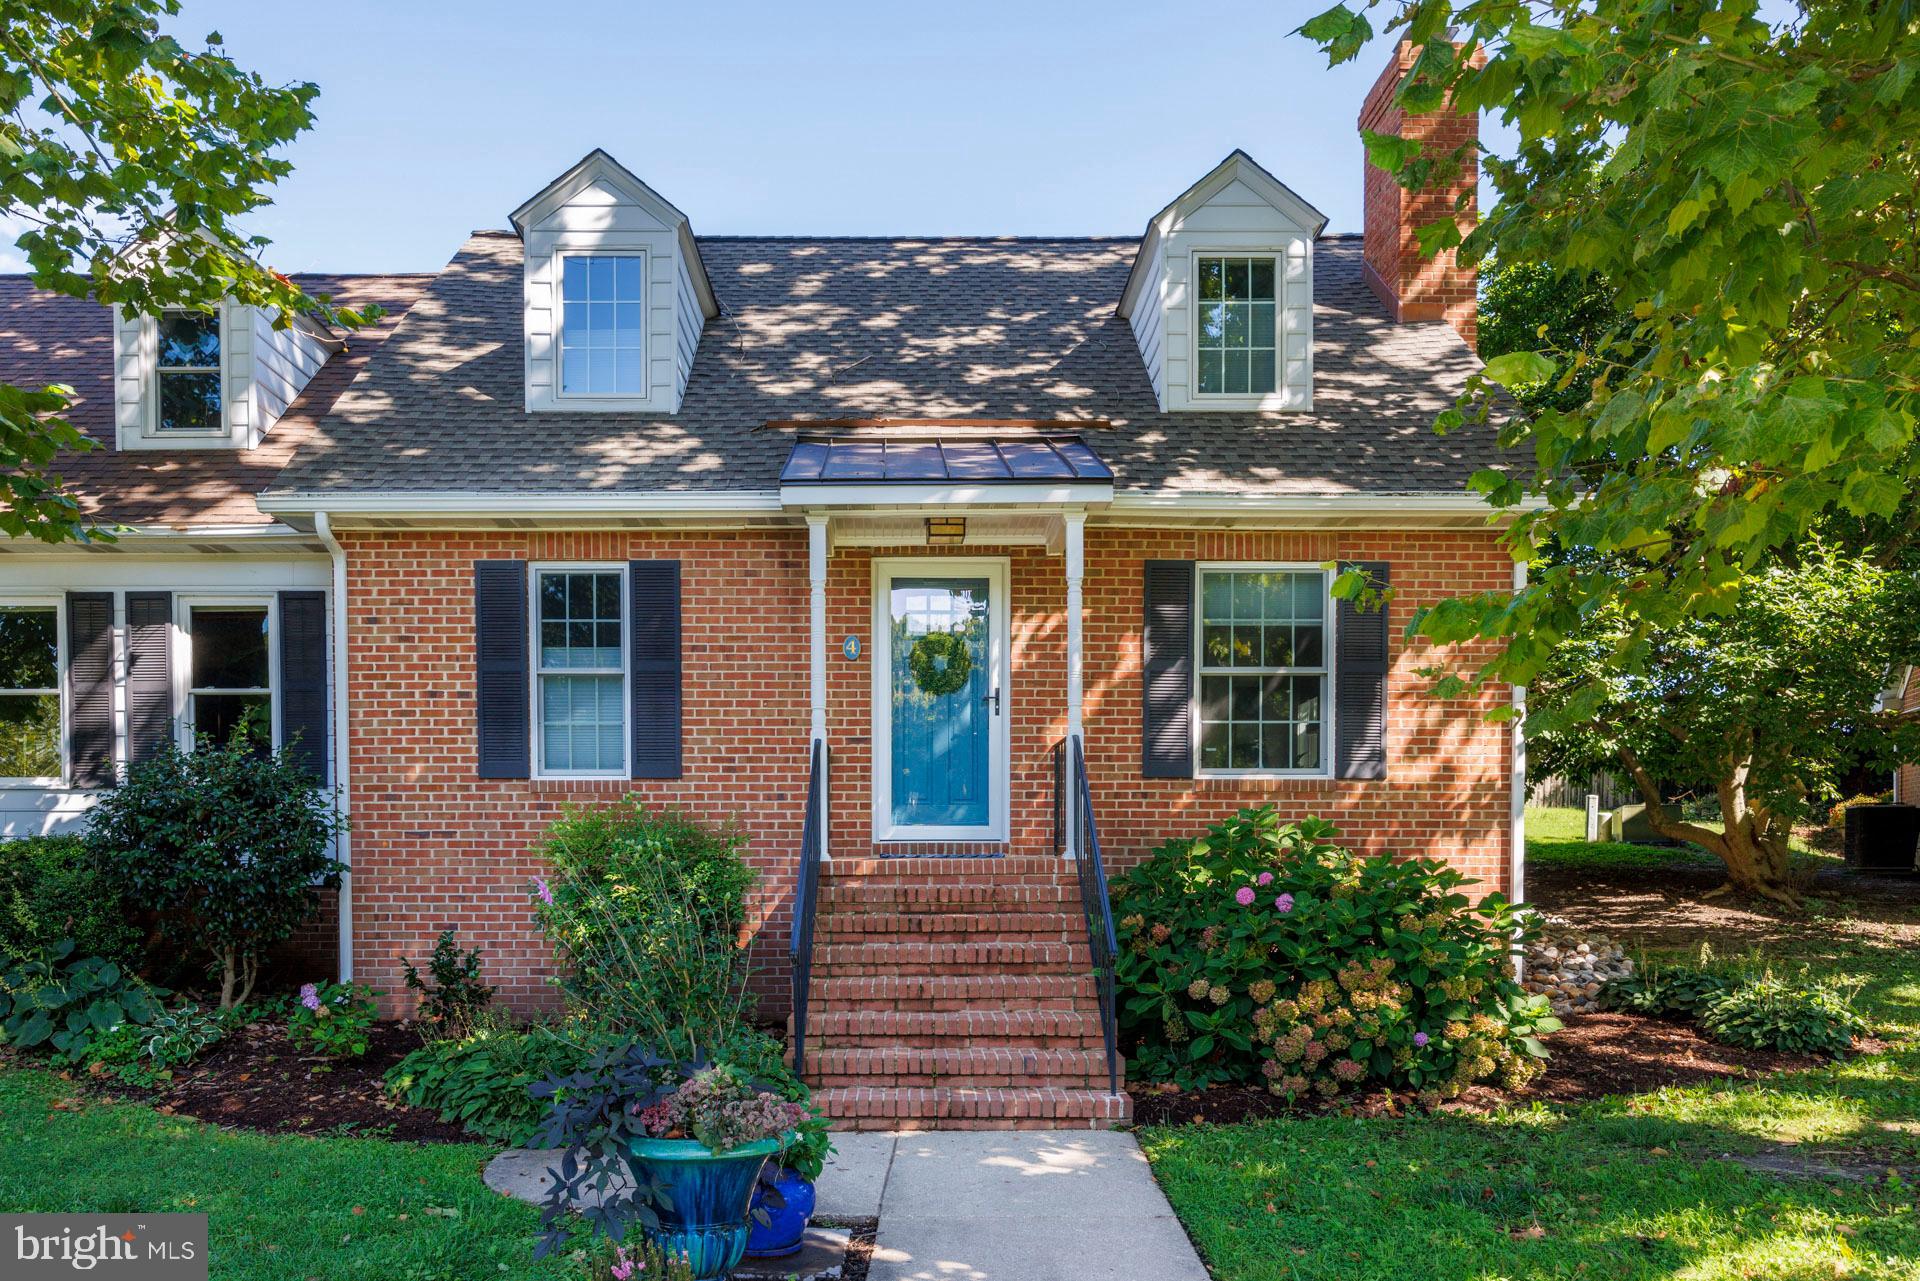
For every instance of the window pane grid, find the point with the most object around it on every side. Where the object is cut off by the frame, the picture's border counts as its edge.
(1235, 325)
(29, 692)
(602, 325)
(581, 667)
(188, 371)
(1263, 670)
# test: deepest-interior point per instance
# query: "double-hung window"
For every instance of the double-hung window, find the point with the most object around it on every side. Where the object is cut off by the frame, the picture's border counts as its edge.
(187, 371)
(580, 671)
(230, 672)
(30, 723)
(602, 325)
(1263, 646)
(1234, 337)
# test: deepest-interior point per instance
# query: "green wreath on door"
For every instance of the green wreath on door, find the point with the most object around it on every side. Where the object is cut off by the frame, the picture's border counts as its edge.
(940, 663)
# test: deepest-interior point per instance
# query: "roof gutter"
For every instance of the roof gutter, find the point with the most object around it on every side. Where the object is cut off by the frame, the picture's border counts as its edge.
(342, 796)
(495, 503)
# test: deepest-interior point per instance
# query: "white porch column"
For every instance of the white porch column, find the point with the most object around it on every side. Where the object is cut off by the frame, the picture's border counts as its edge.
(817, 623)
(1076, 556)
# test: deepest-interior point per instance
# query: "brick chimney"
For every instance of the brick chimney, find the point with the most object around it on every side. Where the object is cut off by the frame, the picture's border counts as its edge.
(1415, 287)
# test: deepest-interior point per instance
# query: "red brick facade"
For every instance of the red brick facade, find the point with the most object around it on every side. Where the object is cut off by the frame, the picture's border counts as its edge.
(434, 845)
(1412, 285)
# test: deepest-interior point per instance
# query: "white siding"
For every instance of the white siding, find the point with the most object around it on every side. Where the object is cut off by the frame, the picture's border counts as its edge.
(603, 217)
(262, 372)
(284, 361)
(32, 811)
(691, 321)
(1150, 321)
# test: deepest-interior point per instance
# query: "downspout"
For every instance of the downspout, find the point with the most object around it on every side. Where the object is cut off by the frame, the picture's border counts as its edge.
(324, 529)
(1518, 799)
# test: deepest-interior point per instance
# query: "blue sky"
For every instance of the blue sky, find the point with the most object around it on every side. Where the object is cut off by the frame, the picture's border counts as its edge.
(827, 118)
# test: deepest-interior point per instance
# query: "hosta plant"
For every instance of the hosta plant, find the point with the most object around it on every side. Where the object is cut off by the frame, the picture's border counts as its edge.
(1267, 952)
(1769, 1013)
(62, 1002)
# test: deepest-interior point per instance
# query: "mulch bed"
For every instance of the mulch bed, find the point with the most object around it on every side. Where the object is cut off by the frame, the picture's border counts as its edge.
(1593, 1056)
(257, 1080)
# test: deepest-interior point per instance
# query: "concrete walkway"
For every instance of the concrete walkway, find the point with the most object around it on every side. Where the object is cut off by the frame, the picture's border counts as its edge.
(1037, 1205)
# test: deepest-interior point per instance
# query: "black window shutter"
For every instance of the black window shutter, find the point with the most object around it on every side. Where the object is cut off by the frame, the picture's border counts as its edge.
(1361, 659)
(1166, 685)
(303, 679)
(90, 688)
(500, 652)
(149, 674)
(653, 598)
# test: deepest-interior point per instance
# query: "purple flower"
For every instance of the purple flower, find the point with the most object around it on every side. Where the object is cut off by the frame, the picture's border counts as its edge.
(1244, 896)
(1284, 903)
(1265, 878)
(310, 996)
(1419, 1038)
(540, 888)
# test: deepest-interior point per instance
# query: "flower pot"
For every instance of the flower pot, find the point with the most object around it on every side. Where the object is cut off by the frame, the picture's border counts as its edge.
(780, 1235)
(709, 1194)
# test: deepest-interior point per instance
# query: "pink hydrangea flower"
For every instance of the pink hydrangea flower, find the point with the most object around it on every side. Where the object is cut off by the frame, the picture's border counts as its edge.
(1284, 903)
(540, 888)
(1265, 878)
(1420, 1038)
(1244, 896)
(310, 996)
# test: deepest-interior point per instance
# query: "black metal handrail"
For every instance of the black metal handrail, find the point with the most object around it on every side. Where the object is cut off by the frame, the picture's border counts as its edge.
(1096, 907)
(806, 894)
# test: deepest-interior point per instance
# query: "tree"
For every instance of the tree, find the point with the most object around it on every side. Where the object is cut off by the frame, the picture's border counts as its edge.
(229, 844)
(1522, 304)
(130, 160)
(1748, 195)
(1764, 707)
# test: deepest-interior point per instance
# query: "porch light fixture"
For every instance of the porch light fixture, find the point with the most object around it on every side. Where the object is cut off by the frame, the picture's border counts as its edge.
(946, 531)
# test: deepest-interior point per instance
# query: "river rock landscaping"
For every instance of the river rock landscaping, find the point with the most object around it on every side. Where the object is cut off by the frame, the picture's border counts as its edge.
(1570, 966)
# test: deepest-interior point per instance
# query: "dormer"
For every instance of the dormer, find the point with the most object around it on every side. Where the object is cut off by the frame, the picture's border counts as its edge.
(1221, 294)
(209, 378)
(615, 294)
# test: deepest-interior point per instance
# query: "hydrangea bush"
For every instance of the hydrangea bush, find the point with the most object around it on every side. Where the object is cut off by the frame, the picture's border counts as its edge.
(1266, 952)
(333, 1019)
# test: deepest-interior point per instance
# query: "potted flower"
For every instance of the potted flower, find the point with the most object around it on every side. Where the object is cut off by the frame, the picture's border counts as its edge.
(783, 1202)
(675, 1149)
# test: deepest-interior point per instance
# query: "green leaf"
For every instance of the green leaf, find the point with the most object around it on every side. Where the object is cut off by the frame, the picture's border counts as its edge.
(1519, 369)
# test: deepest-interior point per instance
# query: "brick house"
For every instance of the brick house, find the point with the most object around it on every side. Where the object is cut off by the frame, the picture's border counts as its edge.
(605, 507)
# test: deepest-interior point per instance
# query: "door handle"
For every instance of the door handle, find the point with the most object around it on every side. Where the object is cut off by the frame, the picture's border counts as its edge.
(993, 698)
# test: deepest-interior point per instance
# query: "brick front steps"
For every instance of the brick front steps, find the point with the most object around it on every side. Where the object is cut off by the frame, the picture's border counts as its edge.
(955, 993)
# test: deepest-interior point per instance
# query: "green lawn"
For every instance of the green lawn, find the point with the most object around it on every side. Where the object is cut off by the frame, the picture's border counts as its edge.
(279, 1209)
(1557, 838)
(1637, 1187)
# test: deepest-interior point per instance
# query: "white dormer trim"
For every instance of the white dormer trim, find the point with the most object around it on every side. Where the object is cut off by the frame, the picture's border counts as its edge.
(262, 370)
(1237, 210)
(598, 207)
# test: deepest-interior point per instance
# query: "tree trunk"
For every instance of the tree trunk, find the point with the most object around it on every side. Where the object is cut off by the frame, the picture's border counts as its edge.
(1751, 846)
(227, 977)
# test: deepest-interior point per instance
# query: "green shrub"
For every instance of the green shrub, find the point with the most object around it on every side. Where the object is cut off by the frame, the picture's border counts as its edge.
(452, 997)
(146, 1056)
(645, 911)
(1666, 990)
(1767, 1013)
(227, 843)
(481, 1080)
(333, 1019)
(51, 889)
(1265, 951)
(64, 1002)
(1837, 816)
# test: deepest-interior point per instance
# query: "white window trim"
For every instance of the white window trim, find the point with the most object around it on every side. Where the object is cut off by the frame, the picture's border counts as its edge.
(560, 394)
(1275, 399)
(995, 569)
(150, 352)
(183, 687)
(1329, 650)
(58, 605)
(534, 672)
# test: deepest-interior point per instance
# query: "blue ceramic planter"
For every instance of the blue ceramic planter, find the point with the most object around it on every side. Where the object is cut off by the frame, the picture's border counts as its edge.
(710, 1194)
(780, 1235)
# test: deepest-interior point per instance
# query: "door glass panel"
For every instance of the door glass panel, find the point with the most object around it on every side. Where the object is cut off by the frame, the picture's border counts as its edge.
(941, 729)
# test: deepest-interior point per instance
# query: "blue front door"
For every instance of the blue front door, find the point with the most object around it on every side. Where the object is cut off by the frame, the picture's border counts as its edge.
(944, 699)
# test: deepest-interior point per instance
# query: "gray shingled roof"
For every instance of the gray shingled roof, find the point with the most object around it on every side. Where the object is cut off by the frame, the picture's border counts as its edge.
(888, 328)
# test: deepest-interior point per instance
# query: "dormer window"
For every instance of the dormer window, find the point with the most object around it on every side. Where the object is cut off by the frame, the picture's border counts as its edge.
(602, 325)
(187, 371)
(1234, 339)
